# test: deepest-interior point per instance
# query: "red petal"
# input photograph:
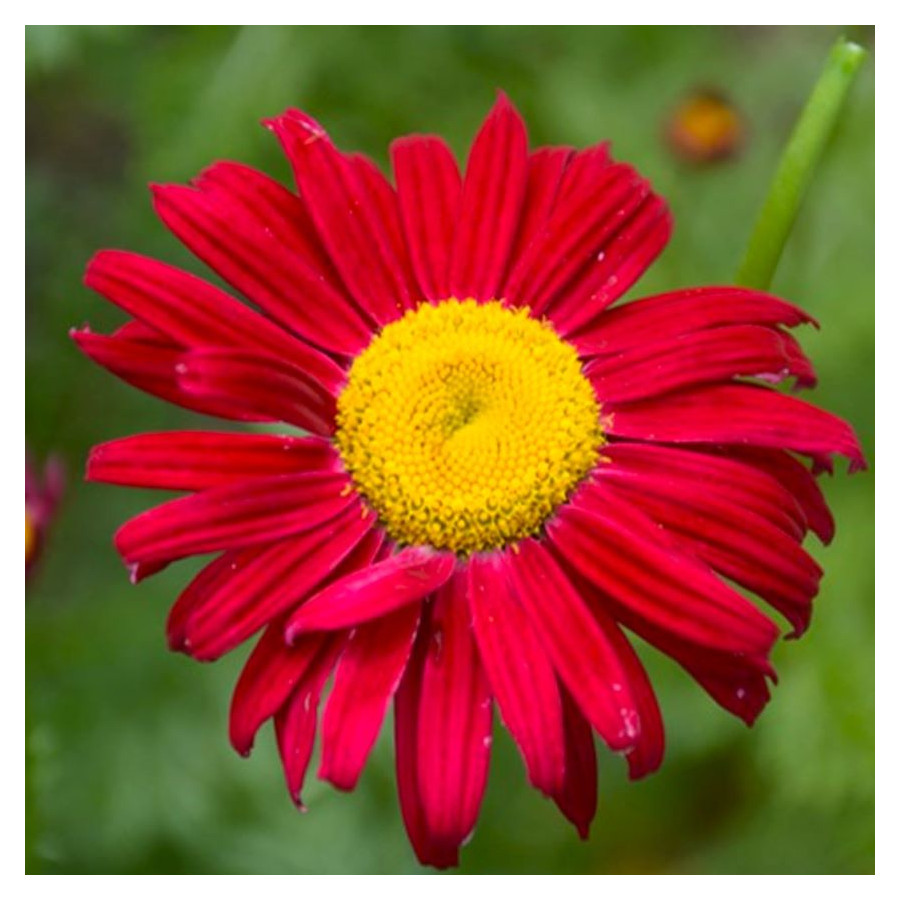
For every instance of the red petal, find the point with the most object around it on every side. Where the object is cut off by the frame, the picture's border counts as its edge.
(429, 189)
(698, 358)
(582, 224)
(233, 516)
(267, 583)
(249, 256)
(194, 460)
(347, 218)
(272, 206)
(455, 713)
(151, 367)
(609, 274)
(268, 678)
(258, 385)
(739, 414)
(366, 679)
(581, 653)
(196, 314)
(797, 479)
(410, 575)
(672, 472)
(295, 722)
(577, 800)
(618, 549)
(407, 708)
(521, 676)
(681, 312)
(492, 196)
(545, 171)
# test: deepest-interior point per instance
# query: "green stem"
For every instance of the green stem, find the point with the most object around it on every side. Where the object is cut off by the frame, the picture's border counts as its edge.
(798, 164)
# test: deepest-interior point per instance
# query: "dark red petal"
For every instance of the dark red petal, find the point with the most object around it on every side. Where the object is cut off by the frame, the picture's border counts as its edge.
(738, 414)
(577, 800)
(455, 714)
(152, 367)
(407, 708)
(701, 357)
(366, 679)
(410, 575)
(545, 170)
(492, 196)
(249, 256)
(194, 460)
(682, 475)
(429, 189)
(347, 217)
(295, 721)
(624, 259)
(580, 651)
(521, 676)
(261, 587)
(193, 313)
(665, 316)
(797, 479)
(258, 385)
(268, 678)
(233, 516)
(618, 549)
(581, 225)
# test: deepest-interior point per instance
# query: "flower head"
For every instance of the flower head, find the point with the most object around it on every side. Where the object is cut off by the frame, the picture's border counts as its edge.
(503, 471)
(42, 495)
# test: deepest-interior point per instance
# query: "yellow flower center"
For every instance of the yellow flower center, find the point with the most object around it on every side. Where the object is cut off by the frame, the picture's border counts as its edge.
(465, 426)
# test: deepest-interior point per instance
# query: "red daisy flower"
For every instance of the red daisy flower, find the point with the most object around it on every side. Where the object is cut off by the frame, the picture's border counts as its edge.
(502, 471)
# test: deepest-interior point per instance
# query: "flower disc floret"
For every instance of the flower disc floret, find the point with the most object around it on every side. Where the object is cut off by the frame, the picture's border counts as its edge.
(466, 425)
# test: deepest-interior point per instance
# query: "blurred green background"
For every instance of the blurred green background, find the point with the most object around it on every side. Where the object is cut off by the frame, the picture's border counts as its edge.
(133, 772)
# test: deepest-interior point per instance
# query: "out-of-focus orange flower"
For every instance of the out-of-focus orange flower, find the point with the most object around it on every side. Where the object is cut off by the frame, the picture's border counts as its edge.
(42, 494)
(705, 127)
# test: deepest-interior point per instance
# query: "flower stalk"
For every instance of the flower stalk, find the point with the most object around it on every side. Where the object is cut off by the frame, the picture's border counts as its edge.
(798, 164)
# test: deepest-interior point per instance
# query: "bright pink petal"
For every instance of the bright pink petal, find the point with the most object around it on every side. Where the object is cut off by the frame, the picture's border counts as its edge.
(347, 217)
(194, 460)
(492, 197)
(455, 713)
(410, 575)
(407, 710)
(577, 799)
(581, 653)
(429, 189)
(268, 678)
(269, 582)
(250, 257)
(151, 366)
(624, 259)
(665, 316)
(295, 721)
(701, 357)
(366, 679)
(259, 385)
(195, 314)
(618, 549)
(521, 676)
(233, 516)
(738, 414)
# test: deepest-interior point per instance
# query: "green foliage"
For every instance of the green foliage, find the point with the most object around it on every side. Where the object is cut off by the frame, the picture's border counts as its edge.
(134, 773)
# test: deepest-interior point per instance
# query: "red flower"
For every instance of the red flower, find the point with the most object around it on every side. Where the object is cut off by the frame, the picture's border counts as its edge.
(502, 472)
(42, 495)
